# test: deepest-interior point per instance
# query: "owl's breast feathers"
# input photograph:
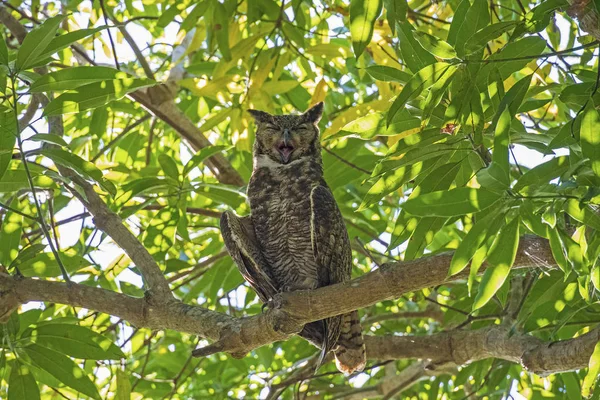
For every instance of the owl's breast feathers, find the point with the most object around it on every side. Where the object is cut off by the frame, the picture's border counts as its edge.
(280, 203)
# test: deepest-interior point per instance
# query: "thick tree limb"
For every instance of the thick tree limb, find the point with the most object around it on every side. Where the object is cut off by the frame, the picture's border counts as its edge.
(463, 347)
(294, 309)
(240, 335)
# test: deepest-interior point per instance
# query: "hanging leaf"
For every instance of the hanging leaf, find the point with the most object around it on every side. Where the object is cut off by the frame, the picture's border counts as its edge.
(593, 372)
(590, 139)
(363, 14)
(66, 40)
(470, 243)
(422, 80)
(8, 138)
(36, 42)
(123, 386)
(22, 384)
(501, 259)
(10, 235)
(79, 165)
(3, 51)
(75, 341)
(63, 369)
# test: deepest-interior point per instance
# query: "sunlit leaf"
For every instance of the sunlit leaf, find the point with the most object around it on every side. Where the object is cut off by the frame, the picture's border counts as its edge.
(63, 369)
(590, 139)
(459, 201)
(22, 384)
(501, 258)
(36, 42)
(363, 14)
(593, 372)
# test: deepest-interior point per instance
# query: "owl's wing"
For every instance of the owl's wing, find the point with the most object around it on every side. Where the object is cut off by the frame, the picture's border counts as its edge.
(331, 247)
(240, 240)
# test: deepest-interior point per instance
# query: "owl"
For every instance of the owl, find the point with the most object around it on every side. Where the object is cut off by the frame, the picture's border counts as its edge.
(295, 237)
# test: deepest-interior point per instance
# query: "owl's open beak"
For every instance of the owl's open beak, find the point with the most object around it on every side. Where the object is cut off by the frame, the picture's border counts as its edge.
(285, 151)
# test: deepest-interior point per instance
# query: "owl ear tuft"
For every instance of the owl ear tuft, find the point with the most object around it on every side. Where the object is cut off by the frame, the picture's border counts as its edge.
(261, 116)
(314, 113)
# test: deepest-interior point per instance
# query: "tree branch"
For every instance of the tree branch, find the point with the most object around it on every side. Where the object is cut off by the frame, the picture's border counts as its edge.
(240, 335)
(292, 310)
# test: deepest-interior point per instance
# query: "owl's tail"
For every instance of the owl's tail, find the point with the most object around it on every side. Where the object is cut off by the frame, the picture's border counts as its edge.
(350, 353)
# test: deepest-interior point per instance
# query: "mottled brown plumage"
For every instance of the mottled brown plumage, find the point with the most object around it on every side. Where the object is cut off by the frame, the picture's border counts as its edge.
(295, 238)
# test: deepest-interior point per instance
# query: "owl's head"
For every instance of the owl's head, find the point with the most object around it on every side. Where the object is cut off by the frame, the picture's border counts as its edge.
(286, 138)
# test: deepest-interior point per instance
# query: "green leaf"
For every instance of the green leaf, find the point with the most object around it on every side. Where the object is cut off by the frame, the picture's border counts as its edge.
(472, 241)
(169, 166)
(590, 139)
(94, 95)
(395, 12)
(593, 372)
(543, 173)
(422, 80)
(10, 235)
(476, 17)
(221, 28)
(15, 180)
(44, 265)
(8, 138)
(501, 140)
(513, 99)
(482, 37)
(363, 14)
(36, 42)
(202, 155)
(27, 254)
(435, 46)
(454, 202)
(413, 54)
(494, 178)
(64, 41)
(388, 74)
(76, 341)
(501, 259)
(22, 384)
(49, 138)
(123, 386)
(63, 369)
(3, 51)
(74, 77)
(571, 382)
(79, 165)
(582, 213)
(558, 250)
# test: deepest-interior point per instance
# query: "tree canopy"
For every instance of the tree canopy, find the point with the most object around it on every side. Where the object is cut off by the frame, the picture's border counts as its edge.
(461, 139)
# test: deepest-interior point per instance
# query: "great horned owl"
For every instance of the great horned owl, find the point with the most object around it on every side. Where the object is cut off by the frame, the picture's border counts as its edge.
(295, 237)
